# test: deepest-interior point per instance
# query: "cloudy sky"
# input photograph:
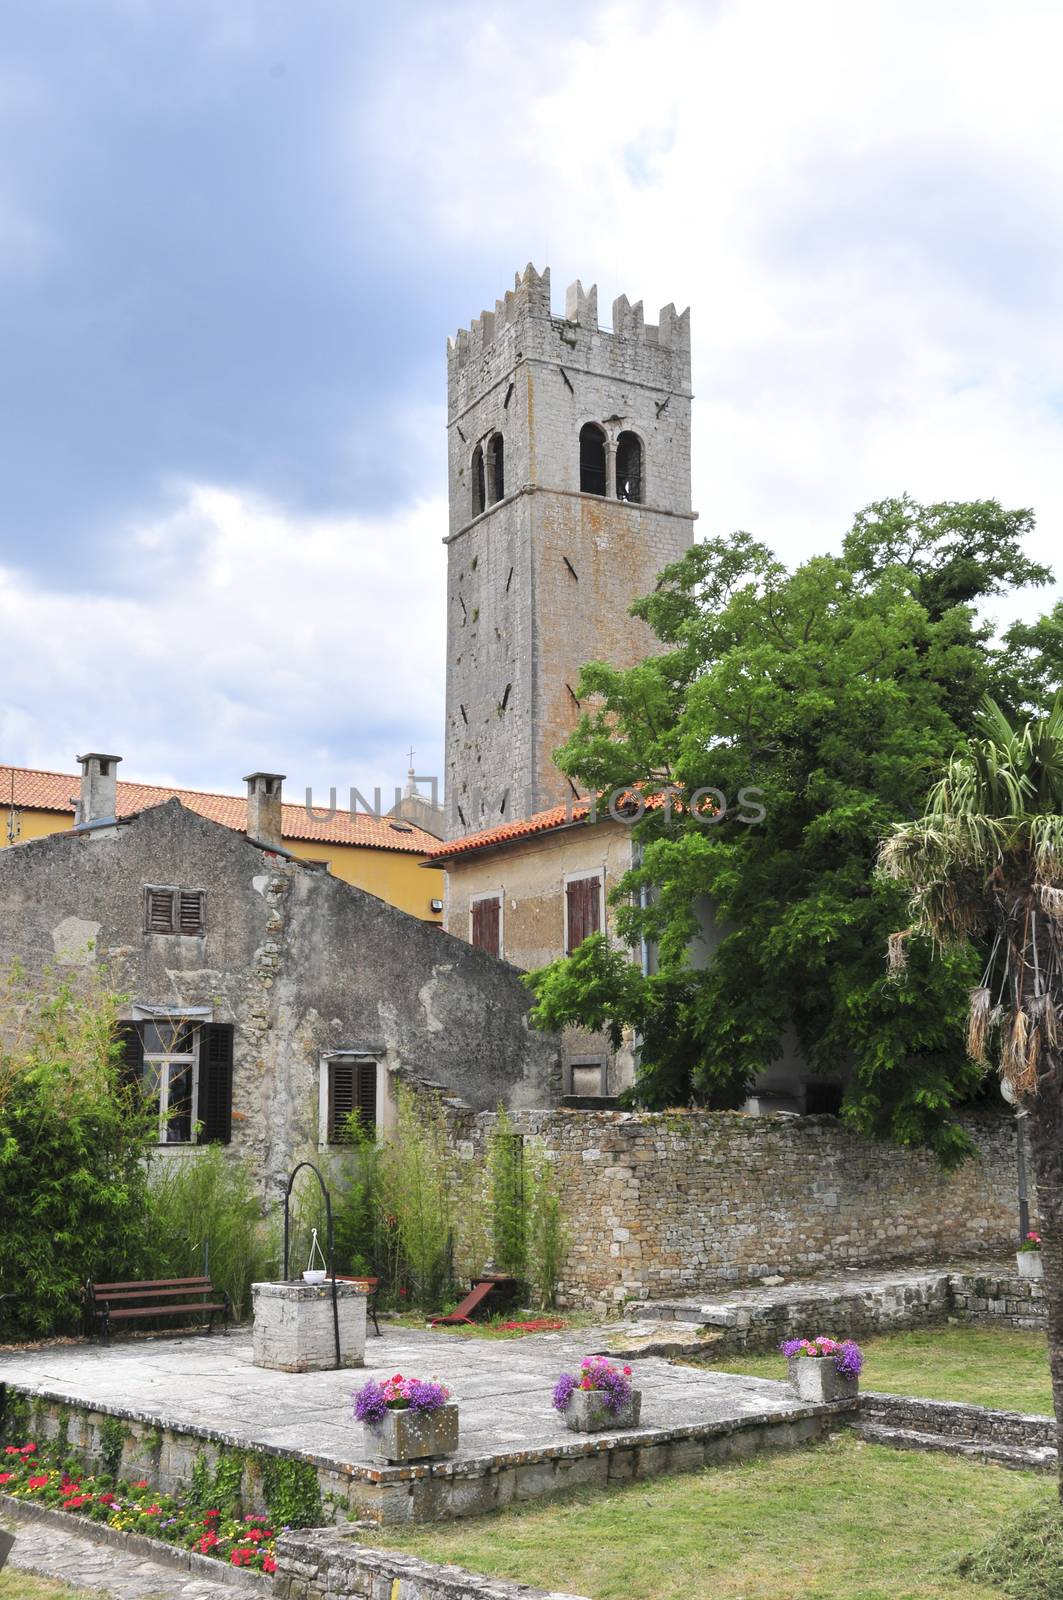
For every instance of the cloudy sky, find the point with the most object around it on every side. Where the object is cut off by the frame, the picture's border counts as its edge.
(234, 237)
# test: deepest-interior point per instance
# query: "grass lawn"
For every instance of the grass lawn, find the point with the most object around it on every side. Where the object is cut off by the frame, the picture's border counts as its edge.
(1003, 1367)
(843, 1521)
(20, 1586)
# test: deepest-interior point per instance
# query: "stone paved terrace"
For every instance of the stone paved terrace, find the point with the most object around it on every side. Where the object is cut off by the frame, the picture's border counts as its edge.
(206, 1387)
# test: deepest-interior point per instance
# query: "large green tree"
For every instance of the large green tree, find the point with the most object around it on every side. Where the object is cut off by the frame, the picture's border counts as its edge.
(836, 690)
(983, 867)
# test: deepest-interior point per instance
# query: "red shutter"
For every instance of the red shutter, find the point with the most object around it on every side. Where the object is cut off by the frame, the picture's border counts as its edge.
(583, 899)
(485, 926)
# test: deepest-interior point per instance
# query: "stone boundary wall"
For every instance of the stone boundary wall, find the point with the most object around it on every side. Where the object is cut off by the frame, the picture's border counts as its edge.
(661, 1205)
(1018, 1302)
(325, 1564)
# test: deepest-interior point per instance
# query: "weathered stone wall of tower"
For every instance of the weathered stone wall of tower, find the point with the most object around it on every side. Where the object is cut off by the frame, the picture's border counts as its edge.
(540, 581)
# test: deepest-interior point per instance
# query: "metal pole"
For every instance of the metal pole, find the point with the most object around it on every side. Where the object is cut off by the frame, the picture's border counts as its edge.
(331, 1261)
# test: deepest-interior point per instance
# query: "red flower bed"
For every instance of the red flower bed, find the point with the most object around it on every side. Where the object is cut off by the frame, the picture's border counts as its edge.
(136, 1508)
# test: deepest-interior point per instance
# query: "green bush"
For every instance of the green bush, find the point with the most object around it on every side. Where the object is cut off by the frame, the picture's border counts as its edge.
(72, 1140)
(547, 1234)
(1025, 1559)
(413, 1201)
(506, 1202)
(202, 1213)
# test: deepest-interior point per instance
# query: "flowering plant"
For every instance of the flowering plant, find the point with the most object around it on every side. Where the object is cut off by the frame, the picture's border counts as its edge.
(614, 1383)
(1032, 1241)
(422, 1395)
(239, 1541)
(846, 1354)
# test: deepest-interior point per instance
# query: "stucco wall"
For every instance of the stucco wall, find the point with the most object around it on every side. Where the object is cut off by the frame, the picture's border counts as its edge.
(529, 876)
(662, 1205)
(301, 963)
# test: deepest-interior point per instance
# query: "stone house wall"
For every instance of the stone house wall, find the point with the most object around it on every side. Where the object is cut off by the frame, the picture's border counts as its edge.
(299, 963)
(661, 1205)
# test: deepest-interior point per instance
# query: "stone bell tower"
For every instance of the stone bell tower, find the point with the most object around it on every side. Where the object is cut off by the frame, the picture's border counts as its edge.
(569, 467)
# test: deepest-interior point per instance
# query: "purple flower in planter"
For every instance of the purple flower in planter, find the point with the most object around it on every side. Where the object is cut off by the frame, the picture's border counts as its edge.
(370, 1404)
(846, 1354)
(849, 1359)
(563, 1391)
(425, 1396)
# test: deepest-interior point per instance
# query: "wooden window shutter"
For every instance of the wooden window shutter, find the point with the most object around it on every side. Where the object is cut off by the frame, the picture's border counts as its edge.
(341, 1099)
(365, 1089)
(159, 910)
(131, 1059)
(190, 911)
(215, 1110)
(486, 922)
(583, 899)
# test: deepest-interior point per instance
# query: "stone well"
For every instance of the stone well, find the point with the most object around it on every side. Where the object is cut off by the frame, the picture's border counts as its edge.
(294, 1331)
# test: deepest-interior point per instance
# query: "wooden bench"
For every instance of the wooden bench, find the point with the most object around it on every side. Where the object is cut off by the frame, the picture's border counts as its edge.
(108, 1303)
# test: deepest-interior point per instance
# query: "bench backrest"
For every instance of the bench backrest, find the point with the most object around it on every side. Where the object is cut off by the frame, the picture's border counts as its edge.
(154, 1291)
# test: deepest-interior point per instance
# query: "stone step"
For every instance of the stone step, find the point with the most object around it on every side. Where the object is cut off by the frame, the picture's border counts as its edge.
(1018, 1457)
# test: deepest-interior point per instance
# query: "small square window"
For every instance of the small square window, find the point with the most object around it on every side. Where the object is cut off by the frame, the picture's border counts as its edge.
(174, 910)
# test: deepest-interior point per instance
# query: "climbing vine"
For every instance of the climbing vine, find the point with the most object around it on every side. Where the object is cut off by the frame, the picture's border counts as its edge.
(112, 1442)
(293, 1494)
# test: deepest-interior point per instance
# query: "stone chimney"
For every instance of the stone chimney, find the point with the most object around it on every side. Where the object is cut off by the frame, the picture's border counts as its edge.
(97, 802)
(264, 815)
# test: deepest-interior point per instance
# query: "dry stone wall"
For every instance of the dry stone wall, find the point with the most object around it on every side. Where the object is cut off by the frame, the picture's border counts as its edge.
(670, 1204)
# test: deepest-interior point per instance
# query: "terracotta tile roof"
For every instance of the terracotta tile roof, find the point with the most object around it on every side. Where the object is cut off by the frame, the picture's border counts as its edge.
(538, 822)
(32, 790)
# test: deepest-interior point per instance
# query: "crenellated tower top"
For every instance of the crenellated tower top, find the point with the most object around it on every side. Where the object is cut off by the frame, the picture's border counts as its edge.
(530, 297)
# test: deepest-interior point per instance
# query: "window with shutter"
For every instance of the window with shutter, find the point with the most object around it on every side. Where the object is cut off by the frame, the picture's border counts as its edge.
(190, 911)
(351, 1090)
(169, 910)
(216, 1083)
(159, 910)
(583, 905)
(131, 1056)
(487, 924)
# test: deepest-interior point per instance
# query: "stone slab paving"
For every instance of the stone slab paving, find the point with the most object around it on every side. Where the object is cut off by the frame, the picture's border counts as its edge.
(50, 1552)
(208, 1384)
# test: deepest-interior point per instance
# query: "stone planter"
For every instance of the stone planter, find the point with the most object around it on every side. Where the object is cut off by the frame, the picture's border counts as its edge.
(1030, 1264)
(413, 1436)
(587, 1412)
(817, 1378)
(293, 1329)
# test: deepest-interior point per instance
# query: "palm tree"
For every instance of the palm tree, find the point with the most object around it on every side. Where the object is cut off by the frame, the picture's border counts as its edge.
(984, 865)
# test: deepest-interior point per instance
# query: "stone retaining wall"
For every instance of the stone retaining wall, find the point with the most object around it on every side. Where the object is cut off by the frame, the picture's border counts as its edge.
(1018, 1302)
(661, 1205)
(955, 1420)
(326, 1564)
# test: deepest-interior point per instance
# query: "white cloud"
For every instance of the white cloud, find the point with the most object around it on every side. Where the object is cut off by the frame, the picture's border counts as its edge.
(860, 203)
(253, 638)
